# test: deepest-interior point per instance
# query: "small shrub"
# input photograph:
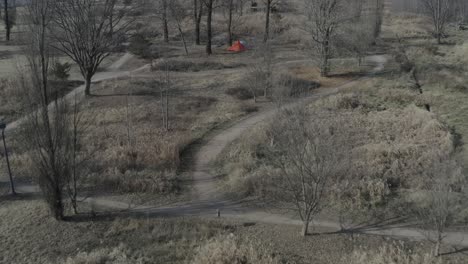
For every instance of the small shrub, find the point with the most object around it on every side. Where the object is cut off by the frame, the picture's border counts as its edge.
(248, 109)
(461, 88)
(348, 102)
(240, 93)
(292, 86)
(60, 71)
(140, 46)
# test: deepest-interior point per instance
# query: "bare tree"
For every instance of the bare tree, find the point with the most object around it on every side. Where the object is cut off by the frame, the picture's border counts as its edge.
(45, 129)
(78, 125)
(230, 8)
(6, 19)
(197, 16)
(268, 7)
(305, 159)
(261, 71)
(325, 17)
(88, 31)
(439, 11)
(378, 16)
(209, 30)
(178, 13)
(165, 85)
(440, 200)
(162, 7)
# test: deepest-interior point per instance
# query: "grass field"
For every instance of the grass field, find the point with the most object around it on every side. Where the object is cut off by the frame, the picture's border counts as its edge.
(122, 239)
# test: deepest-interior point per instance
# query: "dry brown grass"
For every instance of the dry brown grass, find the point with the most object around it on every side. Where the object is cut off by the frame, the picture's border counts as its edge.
(392, 254)
(30, 236)
(232, 250)
(391, 145)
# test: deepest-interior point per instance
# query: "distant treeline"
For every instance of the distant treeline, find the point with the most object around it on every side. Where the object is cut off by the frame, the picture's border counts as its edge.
(459, 8)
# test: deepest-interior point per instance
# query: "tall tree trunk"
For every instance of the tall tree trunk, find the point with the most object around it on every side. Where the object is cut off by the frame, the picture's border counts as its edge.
(305, 228)
(7, 20)
(324, 67)
(209, 33)
(165, 26)
(197, 16)
(181, 32)
(88, 81)
(267, 22)
(58, 206)
(439, 22)
(438, 244)
(378, 19)
(230, 22)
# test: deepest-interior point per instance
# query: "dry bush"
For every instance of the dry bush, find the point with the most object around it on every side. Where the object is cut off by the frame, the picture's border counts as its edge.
(117, 255)
(10, 106)
(288, 85)
(231, 250)
(397, 24)
(240, 93)
(391, 254)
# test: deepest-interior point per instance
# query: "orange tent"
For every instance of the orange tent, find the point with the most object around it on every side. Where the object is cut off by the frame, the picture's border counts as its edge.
(237, 47)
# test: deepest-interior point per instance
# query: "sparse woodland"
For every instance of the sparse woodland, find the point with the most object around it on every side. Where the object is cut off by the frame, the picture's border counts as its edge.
(135, 136)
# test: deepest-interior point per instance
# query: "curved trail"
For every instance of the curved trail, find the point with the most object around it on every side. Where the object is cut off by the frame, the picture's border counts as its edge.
(208, 199)
(78, 93)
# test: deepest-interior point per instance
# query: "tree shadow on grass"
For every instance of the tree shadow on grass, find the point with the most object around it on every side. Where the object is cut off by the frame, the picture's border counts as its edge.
(455, 250)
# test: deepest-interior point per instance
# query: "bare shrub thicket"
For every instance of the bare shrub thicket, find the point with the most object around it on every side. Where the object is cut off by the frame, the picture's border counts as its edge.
(230, 249)
(391, 253)
(440, 201)
(439, 11)
(306, 160)
(260, 78)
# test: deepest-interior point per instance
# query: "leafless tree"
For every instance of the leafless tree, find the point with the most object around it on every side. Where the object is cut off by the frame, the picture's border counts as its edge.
(88, 30)
(162, 11)
(8, 19)
(209, 4)
(164, 19)
(165, 85)
(230, 8)
(441, 199)
(178, 13)
(79, 160)
(233, 17)
(461, 11)
(45, 128)
(197, 16)
(378, 16)
(268, 6)
(355, 38)
(325, 17)
(261, 71)
(439, 11)
(305, 158)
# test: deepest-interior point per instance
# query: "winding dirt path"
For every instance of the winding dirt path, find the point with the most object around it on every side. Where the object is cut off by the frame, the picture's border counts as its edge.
(78, 93)
(208, 199)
